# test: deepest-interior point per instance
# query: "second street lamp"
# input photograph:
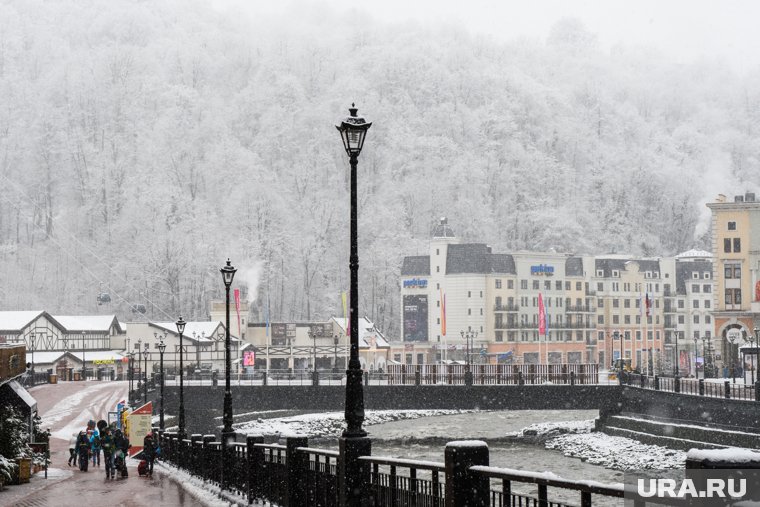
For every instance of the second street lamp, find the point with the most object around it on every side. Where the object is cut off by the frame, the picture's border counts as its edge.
(228, 273)
(145, 375)
(181, 329)
(161, 349)
(84, 359)
(353, 443)
(314, 374)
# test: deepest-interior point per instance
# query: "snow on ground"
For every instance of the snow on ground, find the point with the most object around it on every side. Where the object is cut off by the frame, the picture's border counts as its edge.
(206, 492)
(330, 424)
(579, 440)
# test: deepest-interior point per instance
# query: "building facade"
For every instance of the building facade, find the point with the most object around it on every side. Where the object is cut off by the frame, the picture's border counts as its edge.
(736, 274)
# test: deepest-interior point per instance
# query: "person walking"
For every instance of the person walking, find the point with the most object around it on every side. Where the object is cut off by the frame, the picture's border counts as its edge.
(149, 452)
(83, 446)
(73, 451)
(106, 442)
(121, 446)
(95, 447)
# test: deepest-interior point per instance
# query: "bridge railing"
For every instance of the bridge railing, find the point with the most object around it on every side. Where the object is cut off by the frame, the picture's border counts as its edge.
(493, 374)
(295, 474)
(714, 388)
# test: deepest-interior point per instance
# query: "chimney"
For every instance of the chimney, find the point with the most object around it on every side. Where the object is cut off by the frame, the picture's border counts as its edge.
(738, 198)
(749, 197)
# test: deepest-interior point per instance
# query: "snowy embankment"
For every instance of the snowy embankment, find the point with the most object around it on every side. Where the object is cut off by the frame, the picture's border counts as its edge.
(578, 439)
(329, 425)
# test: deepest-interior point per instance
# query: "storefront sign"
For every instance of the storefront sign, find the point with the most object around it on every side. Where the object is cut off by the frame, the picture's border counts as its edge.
(542, 270)
(103, 361)
(415, 283)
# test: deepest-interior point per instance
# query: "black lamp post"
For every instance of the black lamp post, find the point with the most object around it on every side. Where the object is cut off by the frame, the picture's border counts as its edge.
(753, 340)
(696, 356)
(32, 346)
(84, 360)
(131, 356)
(704, 357)
(467, 336)
(139, 365)
(353, 442)
(731, 338)
(314, 374)
(145, 374)
(335, 354)
(616, 335)
(228, 434)
(181, 329)
(675, 370)
(161, 349)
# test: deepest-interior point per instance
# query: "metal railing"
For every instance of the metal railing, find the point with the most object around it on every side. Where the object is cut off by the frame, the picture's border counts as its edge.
(295, 474)
(489, 374)
(695, 387)
(421, 483)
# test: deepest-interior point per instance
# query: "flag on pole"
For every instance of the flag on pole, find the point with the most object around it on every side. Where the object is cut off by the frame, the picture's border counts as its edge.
(348, 324)
(237, 308)
(267, 316)
(541, 315)
(648, 303)
(443, 313)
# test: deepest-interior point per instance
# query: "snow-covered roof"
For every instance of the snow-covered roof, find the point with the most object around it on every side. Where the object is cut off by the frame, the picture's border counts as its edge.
(51, 356)
(693, 253)
(200, 331)
(91, 323)
(16, 321)
(367, 332)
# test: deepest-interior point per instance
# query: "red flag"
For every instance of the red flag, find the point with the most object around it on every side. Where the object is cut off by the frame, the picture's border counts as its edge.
(541, 315)
(648, 303)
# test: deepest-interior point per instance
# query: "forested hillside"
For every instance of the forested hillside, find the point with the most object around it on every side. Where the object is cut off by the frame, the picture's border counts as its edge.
(143, 143)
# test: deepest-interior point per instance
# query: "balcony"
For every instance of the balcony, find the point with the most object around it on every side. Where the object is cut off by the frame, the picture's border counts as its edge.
(506, 308)
(580, 309)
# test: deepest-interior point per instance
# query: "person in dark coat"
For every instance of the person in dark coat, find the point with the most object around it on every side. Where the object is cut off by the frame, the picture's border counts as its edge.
(149, 452)
(106, 442)
(83, 445)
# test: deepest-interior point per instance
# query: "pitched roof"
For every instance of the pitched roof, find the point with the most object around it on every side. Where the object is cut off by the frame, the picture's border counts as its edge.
(619, 264)
(200, 331)
(685, 273)
(574, 266)
(88, 322)
(477, 258)
(367, 331)
(16, 321)
(416, 265)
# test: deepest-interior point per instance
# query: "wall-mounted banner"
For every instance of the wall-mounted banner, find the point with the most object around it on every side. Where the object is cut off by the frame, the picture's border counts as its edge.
(415, 283)
(542, 270)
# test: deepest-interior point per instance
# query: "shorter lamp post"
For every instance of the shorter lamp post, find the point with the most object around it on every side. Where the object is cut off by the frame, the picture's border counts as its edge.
(32, 346)
(675, 370)
(161, 349)
(228, 434)
(145, 374)
(704, 357)
(619, 365)
(84, 360)
(754, 339)
(131, 356)
(139, 364)
(696, 356)
(467, 336)
(181, 422)
(315, 374)
(731, 338)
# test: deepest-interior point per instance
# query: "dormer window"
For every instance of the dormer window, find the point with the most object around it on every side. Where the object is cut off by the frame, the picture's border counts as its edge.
(731, 226)
(600, 273)
(615, 273)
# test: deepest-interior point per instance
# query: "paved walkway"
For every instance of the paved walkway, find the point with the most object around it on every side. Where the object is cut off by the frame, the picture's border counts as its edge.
(65, 408)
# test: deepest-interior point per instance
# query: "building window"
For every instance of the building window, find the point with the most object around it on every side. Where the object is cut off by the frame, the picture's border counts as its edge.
(600, 319)
(438, 320)
(616, 303)
(626, 319)
(615, 273)
(707, 319)
(469, 311)
(737, 296)
(729, 297)
(707, 303)
(437, 251)
(695, 303)
(438, 269)
(438, 303)
(481, 311)
(578, 285)
(616, 319)
(469, 293)
(706, 276)
(535, 285)
(696, 319)
(481, 293)
(558, 285)
(731, 226)
(737, 245)
(511, 284)
(547, 285)
(567, 285)
(695, 287)
(726, 245)
(600, 273)
(498, 283)
(600, 286)
(615, 287)
(600, 303)
(707, 288)
(680, 319)
(695, 275)
(499, 336)
(626, 303)
(524, 284)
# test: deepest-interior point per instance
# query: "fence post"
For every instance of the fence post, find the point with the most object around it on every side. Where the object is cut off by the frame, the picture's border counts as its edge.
(206, 459)
(520, 379)
(417, 376)
(701, 387)
(195, 461)
(297, 464)
(677, 384)
(462, 486)
(353, 473)
(757, 390)
(572, 378)
(255, 460)
(727, 388)
(656, 383)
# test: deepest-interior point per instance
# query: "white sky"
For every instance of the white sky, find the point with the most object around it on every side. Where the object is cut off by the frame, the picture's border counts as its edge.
(685, 29)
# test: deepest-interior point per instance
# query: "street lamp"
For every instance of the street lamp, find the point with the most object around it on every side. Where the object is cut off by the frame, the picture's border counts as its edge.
(731, 337)
(161, 349)
(753, 339)
(675, 371)
(314, 374)
(228, 273)
(84, 361)
(704, 357)
(353, 442)
(32, 346)
(181, 329)
(131, 356)
(145, 375)
(467, 336)
(139, 364)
